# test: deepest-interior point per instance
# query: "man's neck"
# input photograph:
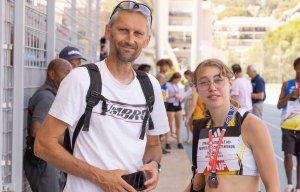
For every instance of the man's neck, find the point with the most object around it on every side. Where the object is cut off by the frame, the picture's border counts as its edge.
(121, 71)
(238, 75)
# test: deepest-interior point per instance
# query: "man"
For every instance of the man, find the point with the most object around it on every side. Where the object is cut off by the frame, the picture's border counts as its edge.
(259, 94)
(42, 176)
(111, 148)
(73, 55)
(144, 67)
(241, 89)
(290, 120)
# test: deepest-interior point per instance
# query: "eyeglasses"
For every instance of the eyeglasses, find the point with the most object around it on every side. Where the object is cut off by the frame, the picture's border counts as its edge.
(133, 5)
(204, 84)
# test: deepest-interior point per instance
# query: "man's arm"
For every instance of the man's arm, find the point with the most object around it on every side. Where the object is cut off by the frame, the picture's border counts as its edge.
(259, 95)
(282, 101)
(260, 89)
(153, 151)
(48, 148)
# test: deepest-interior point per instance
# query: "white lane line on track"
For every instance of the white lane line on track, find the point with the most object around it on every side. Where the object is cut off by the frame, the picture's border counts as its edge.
(274, 126)
(283, 160)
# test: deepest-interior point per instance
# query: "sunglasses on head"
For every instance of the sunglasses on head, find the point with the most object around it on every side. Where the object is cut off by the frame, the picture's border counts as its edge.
(133, 5)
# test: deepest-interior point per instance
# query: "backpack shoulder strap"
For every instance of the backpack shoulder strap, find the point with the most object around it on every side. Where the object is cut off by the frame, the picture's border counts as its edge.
(150, 99)
(198, 125)
(30, 111)
(93, 97)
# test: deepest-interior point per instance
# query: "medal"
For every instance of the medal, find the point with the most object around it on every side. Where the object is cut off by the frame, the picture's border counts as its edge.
(212, 180)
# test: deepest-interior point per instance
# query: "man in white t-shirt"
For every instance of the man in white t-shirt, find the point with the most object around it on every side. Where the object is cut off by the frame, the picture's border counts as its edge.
(111, 148)
(241, 89)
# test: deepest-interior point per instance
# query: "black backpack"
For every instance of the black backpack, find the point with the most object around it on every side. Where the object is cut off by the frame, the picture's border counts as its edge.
(93, 97)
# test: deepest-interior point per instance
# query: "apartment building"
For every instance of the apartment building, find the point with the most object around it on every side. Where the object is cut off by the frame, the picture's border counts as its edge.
(180, 27)
(242, 33)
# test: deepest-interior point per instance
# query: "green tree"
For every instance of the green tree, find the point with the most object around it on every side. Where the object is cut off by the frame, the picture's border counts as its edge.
(237, 3)
(234, 11)
(281, 48)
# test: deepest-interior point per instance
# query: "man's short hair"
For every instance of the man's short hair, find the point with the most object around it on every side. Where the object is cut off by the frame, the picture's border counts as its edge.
(236, 68)
(296, 62)
(142, 67)
(254, 67)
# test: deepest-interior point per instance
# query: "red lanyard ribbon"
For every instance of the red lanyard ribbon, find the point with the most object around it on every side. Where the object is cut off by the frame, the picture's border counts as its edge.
(213, 158)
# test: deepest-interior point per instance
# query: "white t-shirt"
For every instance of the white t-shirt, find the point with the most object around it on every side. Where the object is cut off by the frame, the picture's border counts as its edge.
(112, 141)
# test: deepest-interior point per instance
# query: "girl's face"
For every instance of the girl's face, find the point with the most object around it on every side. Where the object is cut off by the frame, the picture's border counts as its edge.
(212, 87)
(175, 81)
(165, 68)
(188, 78)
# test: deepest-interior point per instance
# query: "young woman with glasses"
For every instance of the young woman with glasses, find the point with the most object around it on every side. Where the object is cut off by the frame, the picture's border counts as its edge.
(234, 148)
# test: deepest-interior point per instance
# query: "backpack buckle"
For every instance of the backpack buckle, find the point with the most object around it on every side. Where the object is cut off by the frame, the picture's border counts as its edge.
(95, 94)
(90, 104)
(151, 98)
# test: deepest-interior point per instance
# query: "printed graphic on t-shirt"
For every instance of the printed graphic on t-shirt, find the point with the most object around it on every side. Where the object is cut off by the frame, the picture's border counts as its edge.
(290, 117)
(125, 112)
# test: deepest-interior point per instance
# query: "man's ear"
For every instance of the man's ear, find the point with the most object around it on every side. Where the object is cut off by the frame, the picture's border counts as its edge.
(51, 74)
(147, 41)
(107, 32)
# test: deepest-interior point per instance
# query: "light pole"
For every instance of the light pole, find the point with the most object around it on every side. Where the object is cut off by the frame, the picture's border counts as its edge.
(242, 51)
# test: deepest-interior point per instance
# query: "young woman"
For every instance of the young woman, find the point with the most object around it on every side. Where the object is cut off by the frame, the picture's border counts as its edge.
(164, 66)
(196, 110)
(234, 147)
(174, 110)
(187, 102)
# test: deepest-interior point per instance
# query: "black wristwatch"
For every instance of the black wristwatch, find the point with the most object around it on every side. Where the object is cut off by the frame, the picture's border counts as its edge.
(159, 165)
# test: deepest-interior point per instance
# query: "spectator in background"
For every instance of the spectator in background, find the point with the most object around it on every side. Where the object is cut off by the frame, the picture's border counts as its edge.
(103, 50)
(259, 94)
(187, 101)
(135, 66)
(290, 120)
(144, 67)
(42, 176)
(73, 55)
(164, 66)
(174, 110)
(241, 89)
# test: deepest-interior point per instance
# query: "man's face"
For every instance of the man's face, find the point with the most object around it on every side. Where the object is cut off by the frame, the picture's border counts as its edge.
(249, 72)
(146, 70)
(75, 63)
(127, 36)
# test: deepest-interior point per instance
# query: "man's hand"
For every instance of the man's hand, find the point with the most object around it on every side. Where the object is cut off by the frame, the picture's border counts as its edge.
(112, 181)
(295, 92)
(187, 123)
(151, 172)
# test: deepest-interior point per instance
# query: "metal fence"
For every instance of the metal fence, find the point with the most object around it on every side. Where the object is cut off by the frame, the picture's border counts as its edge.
(32, 33)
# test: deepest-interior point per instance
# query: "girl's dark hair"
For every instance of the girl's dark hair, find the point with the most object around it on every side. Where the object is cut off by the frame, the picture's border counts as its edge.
(163, 62)
(296, 62)
(176, 75)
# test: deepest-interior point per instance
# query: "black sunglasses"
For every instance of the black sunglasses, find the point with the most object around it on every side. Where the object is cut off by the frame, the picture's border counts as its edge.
(133, 5)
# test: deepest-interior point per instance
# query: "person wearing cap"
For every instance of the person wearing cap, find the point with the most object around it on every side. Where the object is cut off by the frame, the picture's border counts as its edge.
(112, 147)
(73, 55)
